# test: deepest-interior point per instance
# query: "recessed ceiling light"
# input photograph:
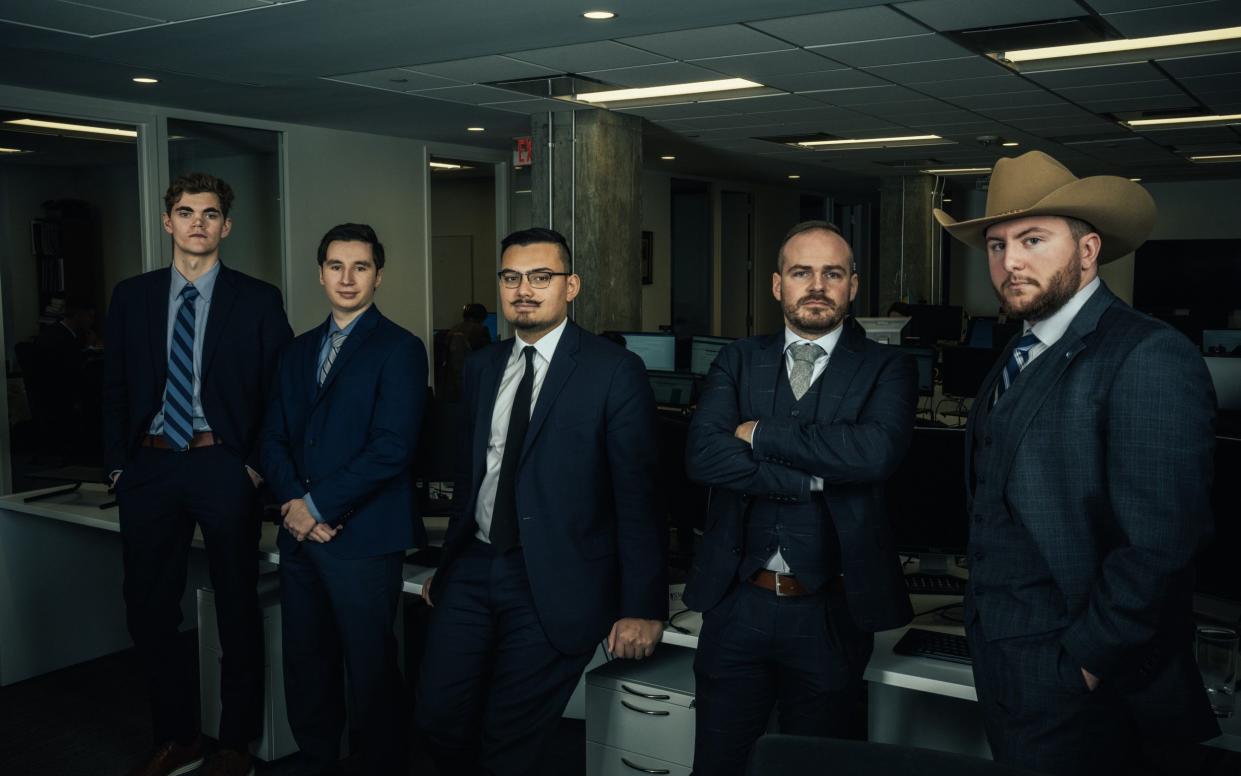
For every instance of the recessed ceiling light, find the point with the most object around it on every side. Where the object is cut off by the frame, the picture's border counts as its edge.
(1175, 120)
(145, 79)
(958, 171)
(669, 90)
(599, 15)
(1127, 44)
(946, 199)
(474, 129)
(1010, 144)
(794, 177)
(1209, 158)
(74, 127)
(668, 158)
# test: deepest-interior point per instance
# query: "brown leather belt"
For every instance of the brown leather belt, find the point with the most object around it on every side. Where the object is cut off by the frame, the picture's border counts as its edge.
(200, 439)
(786, 585)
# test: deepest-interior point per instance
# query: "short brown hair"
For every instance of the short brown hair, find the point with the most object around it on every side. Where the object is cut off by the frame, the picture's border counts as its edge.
(1078, 228)
(198, 183)
(807, 226)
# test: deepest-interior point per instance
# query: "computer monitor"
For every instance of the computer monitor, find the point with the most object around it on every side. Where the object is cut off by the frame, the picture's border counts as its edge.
(885, 331)
(988, 332)
(964, 369)
(672, 389)
(1217, 573)
(1221, 342)
(657, 351)
(703, 351)
(491, 323)
(926, 367)
(926, 498)
(1226, 375)
(931, 323)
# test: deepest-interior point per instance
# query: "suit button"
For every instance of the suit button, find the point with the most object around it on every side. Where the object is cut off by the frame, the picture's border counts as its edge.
(736, 550)
(311, 443)
(796, 413)
(308, 482)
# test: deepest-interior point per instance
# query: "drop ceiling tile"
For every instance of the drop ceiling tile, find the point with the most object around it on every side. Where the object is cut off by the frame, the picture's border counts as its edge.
(971, 14)
(941, 70)
(1097, 76)
(712, 122)
(470, 95)
(1061, 112)
(72, 19)
(942, 119)
(759, 66)
(894, 51)
(1212, 64)
(767, 103)
(395, 79)
(866, 95)
(599, 55)
(1090, 95)
(482, 69)
(824, 114)
(822, 81)
(1171, 19)
(967, 87)
(904, 108)
(162, 9)
(1212, 84)
(723, 41)
(1009, 100)
(848, 26)
(684, 110)
(654, 75)
(537, 106)
(1160, 103)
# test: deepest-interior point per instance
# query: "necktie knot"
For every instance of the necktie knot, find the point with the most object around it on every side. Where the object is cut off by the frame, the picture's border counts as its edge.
(528, 352)
(806, 352)
(1017, 361)
(189, 293)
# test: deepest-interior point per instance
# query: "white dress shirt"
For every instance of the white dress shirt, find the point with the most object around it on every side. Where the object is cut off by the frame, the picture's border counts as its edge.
(513, 371)
(828, 343)
(1052, 328)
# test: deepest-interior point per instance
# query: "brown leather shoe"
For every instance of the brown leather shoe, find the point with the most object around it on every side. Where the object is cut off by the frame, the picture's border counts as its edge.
(171, 759)
(228, 762)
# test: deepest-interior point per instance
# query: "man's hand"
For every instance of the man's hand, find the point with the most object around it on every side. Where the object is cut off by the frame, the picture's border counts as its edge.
(297, 518)
(632, 637)
(1092, 681)
(426, 590)
(745, 432)
(324, 533)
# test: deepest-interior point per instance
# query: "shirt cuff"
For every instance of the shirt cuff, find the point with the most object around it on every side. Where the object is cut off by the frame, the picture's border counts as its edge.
(312, 509)
(753, 435)
(816, 484)
(258, 478)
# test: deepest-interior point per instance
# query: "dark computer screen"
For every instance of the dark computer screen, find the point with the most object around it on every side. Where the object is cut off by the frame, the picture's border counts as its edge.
(926, 495)
(1226, 376)
(964, 369)
(703, 351)
(989, 332)
(1217, 570)
(1221, 342)
(491, 323)
(926, 367)
(931, 323)
(674, 389)
(657, 351)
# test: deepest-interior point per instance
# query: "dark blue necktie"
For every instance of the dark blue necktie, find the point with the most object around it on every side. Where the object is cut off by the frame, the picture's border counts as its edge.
(1016, 360)
(179, 390)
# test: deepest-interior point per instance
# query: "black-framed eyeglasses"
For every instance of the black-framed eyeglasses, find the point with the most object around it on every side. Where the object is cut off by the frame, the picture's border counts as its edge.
(539, 278)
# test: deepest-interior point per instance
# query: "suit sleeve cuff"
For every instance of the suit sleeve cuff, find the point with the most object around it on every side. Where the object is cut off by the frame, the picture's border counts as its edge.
(816, 484)
(312, 509)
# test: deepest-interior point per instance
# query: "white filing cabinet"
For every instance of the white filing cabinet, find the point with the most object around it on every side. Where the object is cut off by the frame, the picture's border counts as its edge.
(277, 739)
(640, 715)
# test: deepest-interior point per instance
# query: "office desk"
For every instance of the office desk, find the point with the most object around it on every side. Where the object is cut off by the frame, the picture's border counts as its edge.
(61, 574)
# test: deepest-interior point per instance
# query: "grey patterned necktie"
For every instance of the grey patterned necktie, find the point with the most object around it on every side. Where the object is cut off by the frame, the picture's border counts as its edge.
(338, 338)
(804, 356)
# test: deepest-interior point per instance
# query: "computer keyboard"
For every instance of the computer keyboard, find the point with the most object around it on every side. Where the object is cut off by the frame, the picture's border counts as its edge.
(934, 584)
(934, 644)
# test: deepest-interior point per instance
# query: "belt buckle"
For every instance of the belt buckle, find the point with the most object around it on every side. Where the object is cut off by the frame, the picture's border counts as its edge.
(779, 576)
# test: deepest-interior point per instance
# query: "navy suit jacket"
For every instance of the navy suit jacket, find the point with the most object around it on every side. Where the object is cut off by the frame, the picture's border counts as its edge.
(246, 328)
(859, 433)
(350, 443)
(593, 542)
(1092, 503)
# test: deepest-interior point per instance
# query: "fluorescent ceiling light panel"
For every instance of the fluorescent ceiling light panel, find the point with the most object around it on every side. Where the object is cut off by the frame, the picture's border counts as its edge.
(40, 123)
(11, 150)
(447, 166)
(864, 140)
(669, 90)
(1127, 44)
(1208, 158)
(958, 171)
(1218, 118)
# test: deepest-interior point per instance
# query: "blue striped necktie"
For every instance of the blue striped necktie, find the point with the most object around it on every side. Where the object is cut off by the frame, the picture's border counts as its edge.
(179, 390)
(338, 338)
(1016, 362)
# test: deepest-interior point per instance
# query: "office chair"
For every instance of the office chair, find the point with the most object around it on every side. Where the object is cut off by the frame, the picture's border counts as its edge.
(777, 755)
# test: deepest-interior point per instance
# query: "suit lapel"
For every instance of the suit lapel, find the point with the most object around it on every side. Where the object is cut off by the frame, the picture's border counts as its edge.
(362, 330)
(768, 361)
(564, 361)
(157, 315)
(841, 367)
(488, 386)
(222, 298)
(308, 362)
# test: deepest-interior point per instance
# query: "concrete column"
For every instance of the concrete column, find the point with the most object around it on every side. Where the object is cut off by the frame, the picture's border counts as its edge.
(586, 184)
(909, 238)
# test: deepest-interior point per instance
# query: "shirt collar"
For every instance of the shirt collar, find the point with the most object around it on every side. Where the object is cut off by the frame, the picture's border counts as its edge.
(205, 283)
(827, 341)
(333, 327)
(546, 346)
(1052, 328)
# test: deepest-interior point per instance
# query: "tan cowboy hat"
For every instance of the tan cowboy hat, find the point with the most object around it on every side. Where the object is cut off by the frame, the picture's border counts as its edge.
(1034, 184)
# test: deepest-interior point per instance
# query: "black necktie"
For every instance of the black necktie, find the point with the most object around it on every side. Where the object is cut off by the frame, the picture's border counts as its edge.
(504, 535)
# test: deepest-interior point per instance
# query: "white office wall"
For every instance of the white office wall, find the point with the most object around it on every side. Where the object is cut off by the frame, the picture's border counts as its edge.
(462, 208)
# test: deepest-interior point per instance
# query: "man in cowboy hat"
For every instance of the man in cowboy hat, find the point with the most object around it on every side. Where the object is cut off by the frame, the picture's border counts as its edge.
(1088, 465)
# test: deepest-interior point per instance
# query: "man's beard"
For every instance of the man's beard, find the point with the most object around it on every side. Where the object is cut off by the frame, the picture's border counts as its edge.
(1060, 289)
(815, 320)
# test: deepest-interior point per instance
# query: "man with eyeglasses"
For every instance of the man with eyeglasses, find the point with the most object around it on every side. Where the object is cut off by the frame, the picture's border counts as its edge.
(796, 433)
(555, 543)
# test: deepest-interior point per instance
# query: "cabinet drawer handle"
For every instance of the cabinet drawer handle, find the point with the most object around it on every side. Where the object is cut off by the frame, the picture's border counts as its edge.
(649, 697)
(645, 711)
(644, 770)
